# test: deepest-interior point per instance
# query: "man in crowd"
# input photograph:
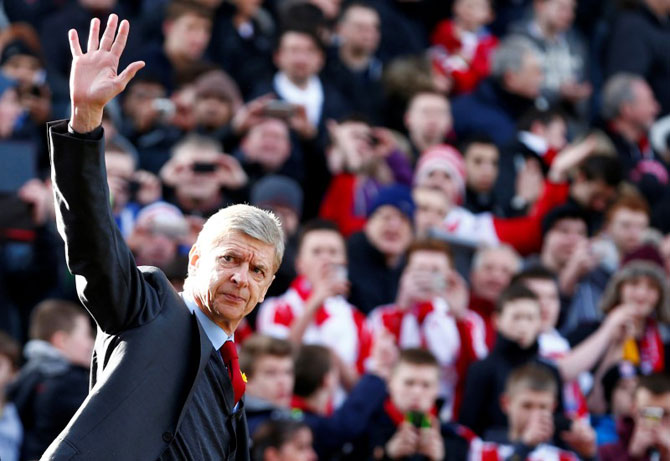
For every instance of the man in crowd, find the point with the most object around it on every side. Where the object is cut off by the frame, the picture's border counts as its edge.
(428, 120)
(180, 345)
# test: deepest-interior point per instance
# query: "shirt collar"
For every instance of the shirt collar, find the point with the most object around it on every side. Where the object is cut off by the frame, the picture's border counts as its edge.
(214, 333)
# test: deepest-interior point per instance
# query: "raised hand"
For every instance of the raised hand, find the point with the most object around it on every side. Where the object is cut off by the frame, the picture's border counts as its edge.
(93, 78)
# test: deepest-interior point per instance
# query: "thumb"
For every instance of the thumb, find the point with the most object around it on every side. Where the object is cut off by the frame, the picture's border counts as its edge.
(129, 72)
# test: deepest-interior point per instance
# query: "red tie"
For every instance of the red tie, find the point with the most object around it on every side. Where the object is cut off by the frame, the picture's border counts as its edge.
(229, 356)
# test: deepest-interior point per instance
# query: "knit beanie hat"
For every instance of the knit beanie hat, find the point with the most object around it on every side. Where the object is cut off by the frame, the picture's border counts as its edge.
(442, 158)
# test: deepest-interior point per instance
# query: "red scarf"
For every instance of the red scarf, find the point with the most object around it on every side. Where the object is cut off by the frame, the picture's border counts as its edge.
(304, 289)
(652, 356)
(398, 417)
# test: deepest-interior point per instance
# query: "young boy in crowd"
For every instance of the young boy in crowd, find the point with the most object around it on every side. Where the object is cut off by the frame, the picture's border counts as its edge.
(518, 323)
(55, 379)
(268, 365)
(283, 440)
(464, 45)
(481, 173)
(405, 426)
(645, 436)
(11, 431)
(529, 401)
(619, 385)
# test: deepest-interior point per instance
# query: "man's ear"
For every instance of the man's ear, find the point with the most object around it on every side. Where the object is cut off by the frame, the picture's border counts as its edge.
(265, 291)
(193, 258)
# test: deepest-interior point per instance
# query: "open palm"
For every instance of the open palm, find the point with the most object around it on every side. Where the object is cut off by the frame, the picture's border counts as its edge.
(94, 80)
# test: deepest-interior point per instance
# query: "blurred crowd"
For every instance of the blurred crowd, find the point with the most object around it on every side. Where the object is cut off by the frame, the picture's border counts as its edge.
(474, 195)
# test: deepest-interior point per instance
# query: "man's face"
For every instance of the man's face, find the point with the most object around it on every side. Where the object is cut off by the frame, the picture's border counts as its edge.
(23, 68)
(198, 185)
(231, 276)
(298, 448)
(389, 230)
(431, 209)
(643, 108)
(558, 14)
(522, 403)
(272, 380)
(527, 80)
(441, 180)
(153, 247)
(481, 166)
(562, 239)
(138, 104)
(643, 292)
(645, 403)
(120, 168)
(626, 228)
(212, 111)
(188, 36)
(359, 29)
(320, 247)
(77, 345)
(550, 303)
(435, 263)
(298, 57)
(428, 118)
(520, 321)
(594, 194)
(495, 270)
(268, 143)
(473, 13)
(414, 387)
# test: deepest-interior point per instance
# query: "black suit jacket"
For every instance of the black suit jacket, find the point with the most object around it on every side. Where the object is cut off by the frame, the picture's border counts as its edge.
(149, 350)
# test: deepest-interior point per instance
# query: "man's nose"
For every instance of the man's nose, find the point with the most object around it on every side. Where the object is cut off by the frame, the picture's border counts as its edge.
(241, 276)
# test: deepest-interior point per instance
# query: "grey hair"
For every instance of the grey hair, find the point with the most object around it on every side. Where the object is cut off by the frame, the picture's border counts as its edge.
(510, 54)
(249, 220)
(618, 90)
(478, 258)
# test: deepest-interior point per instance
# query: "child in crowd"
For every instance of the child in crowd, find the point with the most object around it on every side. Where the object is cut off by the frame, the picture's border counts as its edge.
(619, 385)
(463, 45)
(11, 431)
(481, 172)
(529, 401)
(518, 323)
(283, 440)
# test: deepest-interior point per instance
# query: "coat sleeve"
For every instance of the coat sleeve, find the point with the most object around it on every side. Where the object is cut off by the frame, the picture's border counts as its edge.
(109, 284)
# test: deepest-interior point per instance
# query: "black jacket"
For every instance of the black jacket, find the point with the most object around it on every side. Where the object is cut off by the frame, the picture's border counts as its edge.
(150, 350)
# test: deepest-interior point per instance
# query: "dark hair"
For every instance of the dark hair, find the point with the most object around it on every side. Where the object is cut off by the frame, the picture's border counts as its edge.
(542, 116)
(656, 383)
(602, 168)
(311, 367)
(477, 138)
(514, 292)
(534, 272)
(417, 356)
(10, 349)
(533, 376)
(566, 211)
(178, 8)
(274, 434)
(53, 315)
(257, 346)
(309, 32)
(317, 224)
(429, 244)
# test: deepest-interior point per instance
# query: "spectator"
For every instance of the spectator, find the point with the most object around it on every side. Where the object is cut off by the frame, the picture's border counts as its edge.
(492, 269)
(267, 149)
(529, 400)
(431, 209)
(187, 30)
(299, 58)
(363, 159)
(428, 120)
(282, 196)
(241, 42)
(646, 434)
(11, 430)
(619, 384)
(314, 310)
(518, 325)
(481, 157)
(376, 255)
(200, 177)
(54, 381)
(514, 85)
(464, 45)
(626, 222)
(431, 311)
(632, 46)
(268, 365)
(353, 67)
(525, 162)
(283, 440)
(405, 425)
(563, 52)
(629, 109)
